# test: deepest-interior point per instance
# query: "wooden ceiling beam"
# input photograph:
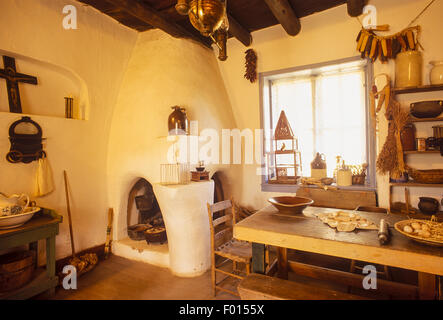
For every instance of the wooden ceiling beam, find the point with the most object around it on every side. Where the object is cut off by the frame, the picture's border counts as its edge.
(239, 32)
(156, 19)
(355, 7)
(283, 12)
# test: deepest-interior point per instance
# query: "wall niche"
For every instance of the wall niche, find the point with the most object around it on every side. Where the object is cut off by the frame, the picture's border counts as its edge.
(47, 98)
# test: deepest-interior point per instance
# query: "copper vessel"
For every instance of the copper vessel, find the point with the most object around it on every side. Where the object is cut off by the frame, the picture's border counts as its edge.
(206, 15)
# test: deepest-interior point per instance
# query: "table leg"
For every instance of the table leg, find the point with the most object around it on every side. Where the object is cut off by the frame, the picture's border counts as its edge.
(258, 258)
(33, 246)
(50, 261)
(426, 286)
(282, 258)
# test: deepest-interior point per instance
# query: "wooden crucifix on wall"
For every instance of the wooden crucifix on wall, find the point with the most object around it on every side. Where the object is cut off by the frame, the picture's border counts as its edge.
(12, 79)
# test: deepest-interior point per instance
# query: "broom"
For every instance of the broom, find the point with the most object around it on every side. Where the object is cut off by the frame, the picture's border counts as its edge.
(87, 261)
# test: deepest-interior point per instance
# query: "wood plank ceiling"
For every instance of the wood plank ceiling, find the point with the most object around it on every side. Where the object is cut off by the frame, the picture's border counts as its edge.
(245, 16)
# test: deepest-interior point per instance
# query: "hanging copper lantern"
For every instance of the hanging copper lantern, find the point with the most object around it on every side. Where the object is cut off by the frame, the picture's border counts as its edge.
(207, 15)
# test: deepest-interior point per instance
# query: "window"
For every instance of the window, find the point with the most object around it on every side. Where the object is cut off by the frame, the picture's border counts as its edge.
(326, 106)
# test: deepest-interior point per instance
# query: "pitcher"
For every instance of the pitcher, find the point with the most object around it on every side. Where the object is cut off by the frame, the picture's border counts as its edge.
(13, 204)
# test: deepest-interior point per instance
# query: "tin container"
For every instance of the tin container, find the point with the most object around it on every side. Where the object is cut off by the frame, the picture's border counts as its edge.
(421, 144)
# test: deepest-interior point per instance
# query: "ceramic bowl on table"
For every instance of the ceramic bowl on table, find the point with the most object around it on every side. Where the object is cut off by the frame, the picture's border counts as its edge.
(14, 221)
(290, 205)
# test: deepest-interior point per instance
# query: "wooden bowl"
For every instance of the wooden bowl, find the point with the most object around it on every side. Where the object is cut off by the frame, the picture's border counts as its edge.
(290, 205)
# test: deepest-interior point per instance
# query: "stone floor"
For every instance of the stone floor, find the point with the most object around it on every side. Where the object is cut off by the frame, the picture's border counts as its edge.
(122, 279)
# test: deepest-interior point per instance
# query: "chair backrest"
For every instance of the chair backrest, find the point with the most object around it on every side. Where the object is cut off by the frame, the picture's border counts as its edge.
(372, 209)
(222, 226)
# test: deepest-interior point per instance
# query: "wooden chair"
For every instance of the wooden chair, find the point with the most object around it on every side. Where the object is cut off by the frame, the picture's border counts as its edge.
(224, 245)
(354, 266)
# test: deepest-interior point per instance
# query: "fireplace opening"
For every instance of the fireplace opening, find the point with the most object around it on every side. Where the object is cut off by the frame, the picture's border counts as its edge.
(145, 220)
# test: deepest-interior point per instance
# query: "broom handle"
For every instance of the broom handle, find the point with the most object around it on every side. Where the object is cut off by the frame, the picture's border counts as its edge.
(69, 213)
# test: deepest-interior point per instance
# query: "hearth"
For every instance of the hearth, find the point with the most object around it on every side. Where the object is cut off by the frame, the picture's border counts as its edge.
(150, 225)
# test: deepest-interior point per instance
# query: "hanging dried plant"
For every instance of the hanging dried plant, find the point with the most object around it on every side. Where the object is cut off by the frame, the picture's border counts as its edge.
(251, 65)
(391, 158)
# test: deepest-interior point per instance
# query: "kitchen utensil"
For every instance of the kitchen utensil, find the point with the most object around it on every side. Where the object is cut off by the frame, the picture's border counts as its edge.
(421, 144)
(14, 221)
(383, 232)
(87, 261)
(436, 237)
(11, 205)
(290, 205)
(438, 131)
(428, 205)
(426, 109)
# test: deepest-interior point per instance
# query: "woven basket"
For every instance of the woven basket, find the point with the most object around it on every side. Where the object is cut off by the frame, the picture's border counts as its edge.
(434, 176)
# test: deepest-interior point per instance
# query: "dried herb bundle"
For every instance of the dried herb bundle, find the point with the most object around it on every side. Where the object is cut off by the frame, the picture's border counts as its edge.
(391, 158)
(251, 65)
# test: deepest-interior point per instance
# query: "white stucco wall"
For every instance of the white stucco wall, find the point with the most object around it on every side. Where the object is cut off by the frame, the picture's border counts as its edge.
(98, 52)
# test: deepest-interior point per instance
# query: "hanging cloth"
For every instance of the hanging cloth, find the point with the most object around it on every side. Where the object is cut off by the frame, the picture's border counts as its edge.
(44, 182)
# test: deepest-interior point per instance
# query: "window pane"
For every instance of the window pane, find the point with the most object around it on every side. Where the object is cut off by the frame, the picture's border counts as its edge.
(326, 111)
(340, 113)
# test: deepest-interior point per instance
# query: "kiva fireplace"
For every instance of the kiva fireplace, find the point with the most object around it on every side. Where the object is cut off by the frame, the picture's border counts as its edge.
(150, 225)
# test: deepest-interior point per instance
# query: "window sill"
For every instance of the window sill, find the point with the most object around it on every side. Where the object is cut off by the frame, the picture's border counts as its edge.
(292, 188)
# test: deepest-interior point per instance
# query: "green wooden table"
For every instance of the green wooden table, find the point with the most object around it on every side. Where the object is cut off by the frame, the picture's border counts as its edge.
(43, 225)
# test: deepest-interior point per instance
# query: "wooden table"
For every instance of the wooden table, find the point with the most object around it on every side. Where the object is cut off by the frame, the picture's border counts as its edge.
(307, 233)
(43, 225)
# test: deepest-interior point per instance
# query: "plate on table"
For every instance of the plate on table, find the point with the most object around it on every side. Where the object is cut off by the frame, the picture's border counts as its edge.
(17, 220)
(423, 231)
(346, 221)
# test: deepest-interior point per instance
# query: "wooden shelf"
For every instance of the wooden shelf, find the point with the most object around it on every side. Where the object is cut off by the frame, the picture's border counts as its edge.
(285, 152)
(415, 184)
(427, 88)
(413, 119)
(422, 152)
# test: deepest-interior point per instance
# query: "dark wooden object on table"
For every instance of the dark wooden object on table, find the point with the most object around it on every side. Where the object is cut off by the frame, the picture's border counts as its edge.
(225, 246)
(12, 80)
(199, 176)
(340, 199)
(260, 287)
(43, 225)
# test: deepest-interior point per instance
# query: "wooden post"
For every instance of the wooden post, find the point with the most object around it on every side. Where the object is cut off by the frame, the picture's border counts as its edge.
(282, 11)
(258, 258)
(427, 286)
(282, 256)
(355, 7)
(50, 261)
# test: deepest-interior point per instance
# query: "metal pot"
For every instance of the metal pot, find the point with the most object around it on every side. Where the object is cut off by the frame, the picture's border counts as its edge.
(428, 205)
(427, 109)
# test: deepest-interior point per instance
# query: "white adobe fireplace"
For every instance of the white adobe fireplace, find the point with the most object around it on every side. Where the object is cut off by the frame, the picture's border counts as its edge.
(184, 210)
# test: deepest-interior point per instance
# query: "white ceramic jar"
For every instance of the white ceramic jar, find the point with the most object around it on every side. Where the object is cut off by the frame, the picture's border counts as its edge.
(436, 75)
(408, 69)
(344, 178)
